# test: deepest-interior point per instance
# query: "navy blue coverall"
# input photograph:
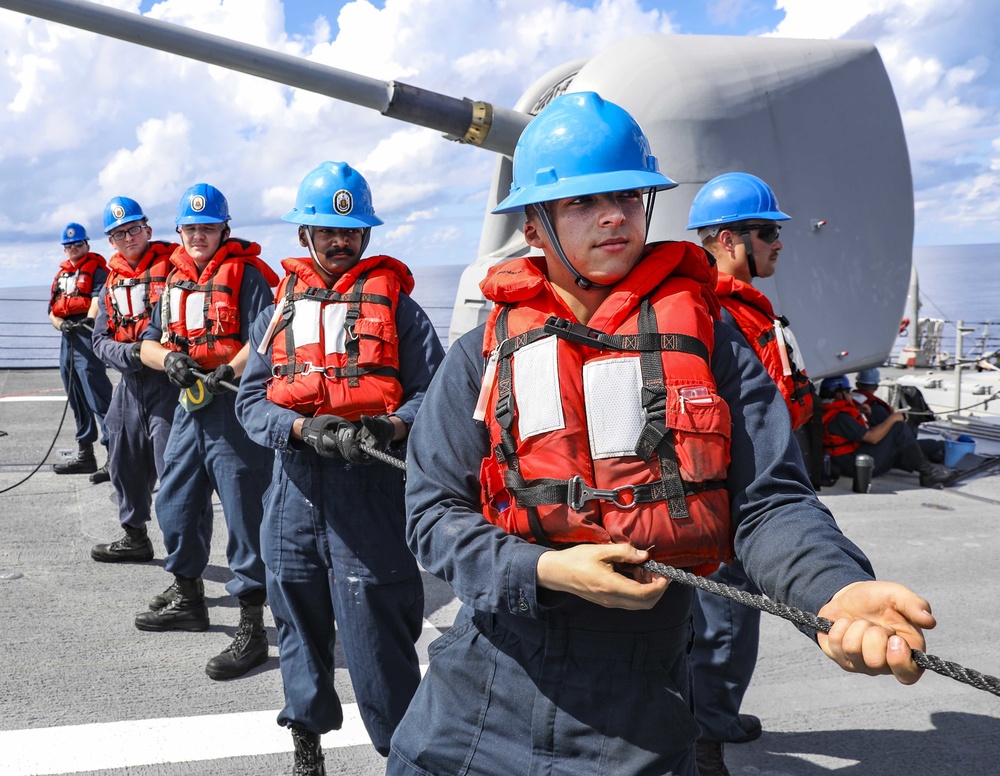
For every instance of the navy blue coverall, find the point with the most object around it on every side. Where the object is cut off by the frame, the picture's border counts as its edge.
(85, 377)
(138, 423)
(209, 450)
(335, 551)
(529, 680)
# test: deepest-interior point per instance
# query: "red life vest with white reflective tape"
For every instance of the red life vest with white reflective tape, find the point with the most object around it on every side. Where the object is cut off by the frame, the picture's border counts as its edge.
(201, 310)
(837, 445)
(766, 333)
(335, 351)
(73, 286)
(611, 432)
(133, 292)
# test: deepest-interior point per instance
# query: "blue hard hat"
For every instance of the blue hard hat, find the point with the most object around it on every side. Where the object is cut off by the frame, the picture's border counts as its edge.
(73, 232)
(121, 210)
(202, 204)
(336, 195)
(733, 197)
(868, 377)
(831, 384)
(580, 144)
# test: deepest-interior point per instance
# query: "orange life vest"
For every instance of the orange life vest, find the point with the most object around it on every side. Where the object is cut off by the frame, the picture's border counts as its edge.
(73, 286)
(613, 431)
(335, 351)
(838, 445)
(201, 311)
(765, 332)
(132, 292)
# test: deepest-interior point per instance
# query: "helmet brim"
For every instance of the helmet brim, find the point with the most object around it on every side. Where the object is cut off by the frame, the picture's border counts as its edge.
(296, 216)
(581, 185)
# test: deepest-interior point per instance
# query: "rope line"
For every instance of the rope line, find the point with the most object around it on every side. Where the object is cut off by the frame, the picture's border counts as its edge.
(933, 663)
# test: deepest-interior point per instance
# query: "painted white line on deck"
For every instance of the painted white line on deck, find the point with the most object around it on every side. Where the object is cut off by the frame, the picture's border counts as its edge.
(110, 745)
(12, 399)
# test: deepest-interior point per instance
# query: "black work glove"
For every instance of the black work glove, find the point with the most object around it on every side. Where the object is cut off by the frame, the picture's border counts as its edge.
(178, 367)
(377, 431)
(320, 433)
(67, 326)
(222, 374)
(349, 442)
(86, 326)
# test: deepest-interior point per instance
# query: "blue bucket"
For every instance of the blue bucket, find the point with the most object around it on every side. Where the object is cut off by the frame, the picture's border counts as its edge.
(956, 449)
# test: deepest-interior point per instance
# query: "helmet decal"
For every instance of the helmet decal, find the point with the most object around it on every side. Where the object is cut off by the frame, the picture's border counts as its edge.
(118, 211)
(197, 203)
(70, 231)
(343, 202)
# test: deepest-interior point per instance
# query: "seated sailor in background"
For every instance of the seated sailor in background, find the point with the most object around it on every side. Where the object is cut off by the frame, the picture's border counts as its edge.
(847, 431)
(866, 383)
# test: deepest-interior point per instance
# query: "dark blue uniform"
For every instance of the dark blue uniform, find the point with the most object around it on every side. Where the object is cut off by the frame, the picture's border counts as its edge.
(138, 423)
(334, 546)
(208, 450)
(85, 377)
(533, 681)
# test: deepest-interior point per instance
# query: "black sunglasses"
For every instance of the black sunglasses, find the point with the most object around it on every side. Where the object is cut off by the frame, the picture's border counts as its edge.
(768, 233)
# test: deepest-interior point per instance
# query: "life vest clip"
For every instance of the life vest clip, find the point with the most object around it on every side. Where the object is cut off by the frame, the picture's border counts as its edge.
(578, 493)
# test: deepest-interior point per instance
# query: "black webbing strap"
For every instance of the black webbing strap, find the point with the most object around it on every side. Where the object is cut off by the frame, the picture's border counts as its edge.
(644, 341)
(656, 436)
(283, 325)
(353, 342)
(506, 450)
(575, 493)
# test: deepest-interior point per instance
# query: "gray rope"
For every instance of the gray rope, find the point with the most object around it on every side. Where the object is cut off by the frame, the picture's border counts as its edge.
(930, 662)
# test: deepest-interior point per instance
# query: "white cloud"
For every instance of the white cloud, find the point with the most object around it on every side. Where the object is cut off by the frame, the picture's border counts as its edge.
(88, 117)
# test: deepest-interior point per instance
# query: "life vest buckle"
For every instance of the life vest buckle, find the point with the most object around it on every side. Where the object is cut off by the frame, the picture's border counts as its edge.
(578, 493)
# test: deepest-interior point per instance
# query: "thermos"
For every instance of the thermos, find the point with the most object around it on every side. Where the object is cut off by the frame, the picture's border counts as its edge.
(863, 466)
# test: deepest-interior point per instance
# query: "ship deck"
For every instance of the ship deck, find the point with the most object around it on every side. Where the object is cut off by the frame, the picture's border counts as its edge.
(83, 691)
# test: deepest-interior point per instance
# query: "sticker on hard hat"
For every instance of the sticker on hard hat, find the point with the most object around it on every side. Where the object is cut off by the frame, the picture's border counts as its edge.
(118, 211)
(197, 203)
(343, 202)
(70, 232)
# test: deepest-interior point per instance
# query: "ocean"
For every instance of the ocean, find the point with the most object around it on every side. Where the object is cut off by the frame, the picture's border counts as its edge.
(957, 282)
(28, 340)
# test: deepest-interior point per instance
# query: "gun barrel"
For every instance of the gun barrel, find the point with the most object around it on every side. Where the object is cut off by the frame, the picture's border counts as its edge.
(477, 123)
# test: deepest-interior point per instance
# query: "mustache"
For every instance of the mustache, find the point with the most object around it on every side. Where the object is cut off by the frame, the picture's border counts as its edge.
(338, 252)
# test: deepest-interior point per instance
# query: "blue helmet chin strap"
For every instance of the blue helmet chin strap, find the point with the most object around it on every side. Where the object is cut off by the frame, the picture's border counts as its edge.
(550, 231)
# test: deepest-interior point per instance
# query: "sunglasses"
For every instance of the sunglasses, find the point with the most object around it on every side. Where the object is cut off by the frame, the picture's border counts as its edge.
(768, 233)
(77, 244)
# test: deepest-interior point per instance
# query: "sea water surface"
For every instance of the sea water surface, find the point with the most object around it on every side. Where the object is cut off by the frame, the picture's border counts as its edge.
(957, 282)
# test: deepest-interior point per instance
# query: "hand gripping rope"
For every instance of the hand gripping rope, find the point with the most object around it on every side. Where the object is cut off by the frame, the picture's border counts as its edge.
(933, 663)
(930, 662)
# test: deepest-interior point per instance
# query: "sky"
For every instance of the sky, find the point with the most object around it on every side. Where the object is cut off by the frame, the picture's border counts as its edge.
(87, 117)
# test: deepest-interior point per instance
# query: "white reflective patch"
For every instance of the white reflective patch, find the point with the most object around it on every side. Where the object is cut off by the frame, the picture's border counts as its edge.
(334, 317)
(137, 302)
(305, 322)
(194, 311)
(536, 388)
(122, 300)
(67, 284)
(612, 391)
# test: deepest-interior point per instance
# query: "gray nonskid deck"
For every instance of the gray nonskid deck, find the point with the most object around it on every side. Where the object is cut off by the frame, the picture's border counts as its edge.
(71, 656)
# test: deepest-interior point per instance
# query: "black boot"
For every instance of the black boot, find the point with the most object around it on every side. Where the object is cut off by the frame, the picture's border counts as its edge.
(934, 475)
(308, 753)
(101, 475)
(133, 546)
(186, 612)
(249, 647)
(160, 600)
(84, 463)
(710, 760)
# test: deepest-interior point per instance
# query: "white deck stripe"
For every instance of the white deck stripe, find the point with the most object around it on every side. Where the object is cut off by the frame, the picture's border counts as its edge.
(109, 745)
(12, 399)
